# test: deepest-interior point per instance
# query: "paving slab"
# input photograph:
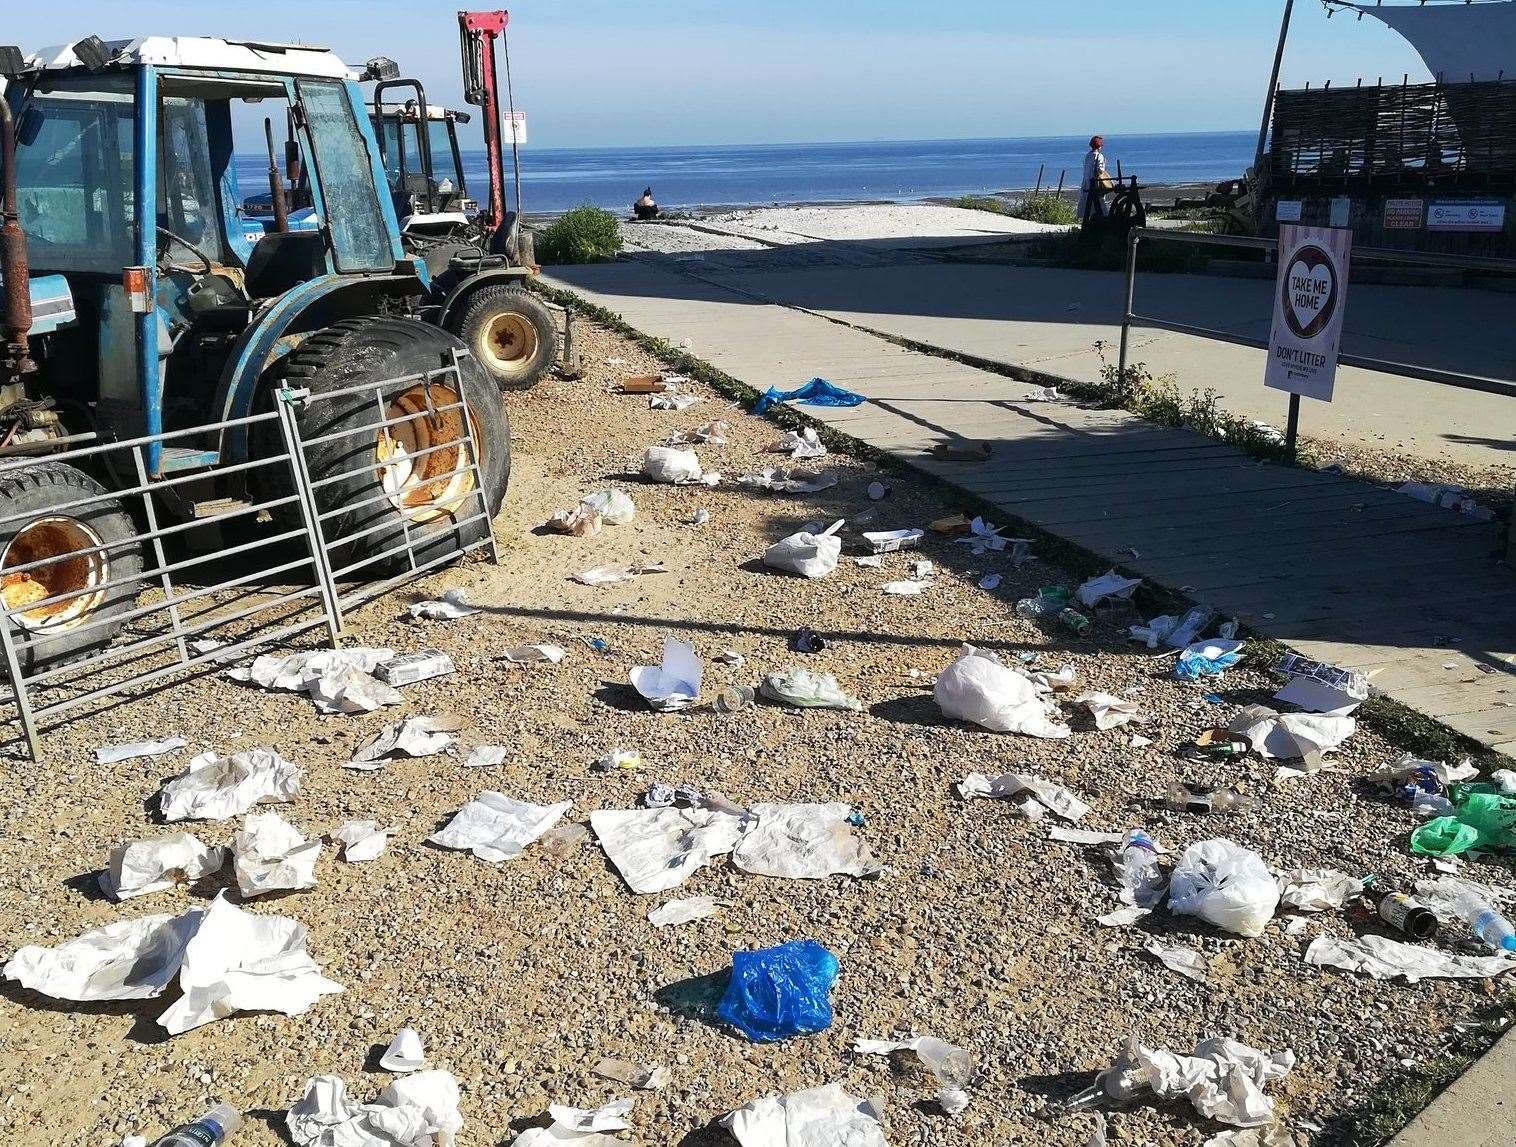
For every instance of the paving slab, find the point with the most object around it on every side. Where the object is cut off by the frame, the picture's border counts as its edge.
(1478, 1109)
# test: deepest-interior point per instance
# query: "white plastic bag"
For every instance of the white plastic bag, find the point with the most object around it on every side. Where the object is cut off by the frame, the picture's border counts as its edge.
(1226, 884)
(807, 554)
(981, 688)
(614, 506)
(666, 464)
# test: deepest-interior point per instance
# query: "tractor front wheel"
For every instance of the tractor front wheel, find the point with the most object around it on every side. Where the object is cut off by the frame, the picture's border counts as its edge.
(512, 333)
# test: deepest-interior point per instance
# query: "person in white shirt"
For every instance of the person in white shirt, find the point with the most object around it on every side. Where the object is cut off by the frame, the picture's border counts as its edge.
(1093, 186)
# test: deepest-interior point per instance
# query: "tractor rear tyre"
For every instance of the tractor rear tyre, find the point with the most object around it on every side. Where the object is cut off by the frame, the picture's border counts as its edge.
(512, 333)
(380, 489)
(62, 631)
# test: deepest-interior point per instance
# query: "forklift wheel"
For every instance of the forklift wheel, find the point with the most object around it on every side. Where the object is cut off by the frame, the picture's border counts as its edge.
(403, 486)
(512, 333)
(64, 631)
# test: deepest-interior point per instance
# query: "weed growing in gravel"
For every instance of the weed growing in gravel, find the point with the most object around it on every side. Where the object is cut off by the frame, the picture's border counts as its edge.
(1037, 206)
(584, 235)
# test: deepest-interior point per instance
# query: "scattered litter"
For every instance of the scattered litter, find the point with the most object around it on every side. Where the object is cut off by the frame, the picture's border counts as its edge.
(1107, 585)
(951, 1066)
(1226, 884)
(361, 840)
(1109, 711)
(127, 960)
(905, 588)
(804, 689)
(779, 992)
(1448, 497)
(412, 737)
(1139, 876)
(800, 445)
(534, 654)
(645, 384)
(871, 561)
(1290, 735)
(1042, 793)
(337, 680)
(1138, 741)
(270, 855)
(642, 1076)
(615, 507)
(1207, 659)
(496, 828)
(820, 1117)
(418, 1110)
(990, 581)
(683, 912)
(888, 541)
(139, 867)
(789, 480)
(672, 400)
(809, 554)
(1482, 817)
(1049, 602)
(711, 433)
(1222, 1079)
(564, 841)
(1384, 958)
(656, 850)
(409, 668)
(1042, 394)
(729, 657)
(672, 465)
(1068, 835)
(114, 754)
(877, 491)
(450, 607)
(1317, 889)
(580, 522)
(579, 1125)
(817, 392)
(803, 842)
(1121, 917)
(609, 575)
(1186, 961)
(675, 684)
(1175, 632)
(1200, 799)
(485, 756)
(1320, 688)
(980, 688)
(406, 1053)
(219, 788)
(628, 759)
(699, 517)
(244, 962)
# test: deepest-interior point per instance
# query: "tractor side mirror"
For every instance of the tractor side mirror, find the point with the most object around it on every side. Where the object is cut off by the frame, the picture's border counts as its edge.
(93, 53)
(381, 68)
(12, 62)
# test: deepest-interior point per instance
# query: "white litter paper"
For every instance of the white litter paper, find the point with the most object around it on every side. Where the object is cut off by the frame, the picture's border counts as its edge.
(113, 754)
(673, 685)
(1317, 889)
(412, 737)
(1186, 961)
(1108, 710)
(138, 867)
(244, 962)
(419, 1110)
(1287, 736)
(580, 1126)
(799, 445)
(361, 840)
(671, 464)
(270, 855)
(1083, 835)
(614, 506)
(351, 691)
(1222, 1079)
(1318, 697)
(980, 688)
(789, 480)
(1107, 585)
(803, 842)
(657, 849)
(905, 588)
(951, 1066)
(642, 1076)
(1384, 959)
(811, 555)
(126, 960)
(450, 607)
(1044, 794)
(406, 1052)
(337, 680)
(485, 756)
(1121, 917)
(495, 828)
(683, 911)
(610, 575)
(820, 1117)
(219, 788)
(671, 400)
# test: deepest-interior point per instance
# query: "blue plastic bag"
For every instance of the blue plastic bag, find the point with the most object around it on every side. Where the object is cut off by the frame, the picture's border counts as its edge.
(817, 392)
(776, 993)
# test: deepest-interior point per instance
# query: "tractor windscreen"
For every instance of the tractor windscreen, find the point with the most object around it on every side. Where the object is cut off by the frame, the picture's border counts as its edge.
(75, 175)
(360, 237)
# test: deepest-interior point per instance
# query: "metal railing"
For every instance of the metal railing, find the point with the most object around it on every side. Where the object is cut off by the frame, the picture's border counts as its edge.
(1430, 259)
(128, 602)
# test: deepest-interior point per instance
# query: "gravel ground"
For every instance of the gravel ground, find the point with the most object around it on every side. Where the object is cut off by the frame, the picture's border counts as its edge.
(521, 976)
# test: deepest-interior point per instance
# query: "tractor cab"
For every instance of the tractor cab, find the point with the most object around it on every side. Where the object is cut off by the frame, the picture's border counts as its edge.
(423, 162)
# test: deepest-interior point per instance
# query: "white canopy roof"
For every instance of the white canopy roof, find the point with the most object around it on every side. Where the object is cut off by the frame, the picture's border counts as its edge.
(209, 53)
(1457, 41)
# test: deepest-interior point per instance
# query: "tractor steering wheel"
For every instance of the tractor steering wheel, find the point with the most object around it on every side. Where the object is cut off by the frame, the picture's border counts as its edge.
(188, 246)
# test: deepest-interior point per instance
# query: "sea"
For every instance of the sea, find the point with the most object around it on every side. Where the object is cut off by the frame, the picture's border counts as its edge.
(557, 179)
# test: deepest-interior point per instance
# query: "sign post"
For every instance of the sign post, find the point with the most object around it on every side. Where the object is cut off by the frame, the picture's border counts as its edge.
(1310, 296)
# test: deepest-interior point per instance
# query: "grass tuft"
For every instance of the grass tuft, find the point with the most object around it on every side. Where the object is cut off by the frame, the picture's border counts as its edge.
(584, 235)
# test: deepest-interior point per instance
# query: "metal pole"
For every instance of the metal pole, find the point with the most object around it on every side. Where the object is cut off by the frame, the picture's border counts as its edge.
(285, 404)
(151, 515)
(18, 687)
(1292, 427)
(1268, 102)
(1131, 292)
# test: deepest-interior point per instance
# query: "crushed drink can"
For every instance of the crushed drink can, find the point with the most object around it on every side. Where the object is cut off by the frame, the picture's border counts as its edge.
(412, 667)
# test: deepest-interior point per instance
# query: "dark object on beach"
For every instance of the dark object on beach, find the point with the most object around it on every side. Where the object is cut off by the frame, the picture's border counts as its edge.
(645, 208)
(806, 640)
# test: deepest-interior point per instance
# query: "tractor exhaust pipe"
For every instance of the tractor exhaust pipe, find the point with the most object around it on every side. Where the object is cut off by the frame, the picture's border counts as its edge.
(276, 183)
(16, 318)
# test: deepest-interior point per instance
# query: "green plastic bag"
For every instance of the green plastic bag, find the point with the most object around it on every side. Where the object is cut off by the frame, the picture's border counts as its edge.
(1483, 817)
(1445, 836)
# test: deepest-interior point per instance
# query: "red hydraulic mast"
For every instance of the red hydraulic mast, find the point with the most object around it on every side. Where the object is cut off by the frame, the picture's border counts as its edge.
(476, 35)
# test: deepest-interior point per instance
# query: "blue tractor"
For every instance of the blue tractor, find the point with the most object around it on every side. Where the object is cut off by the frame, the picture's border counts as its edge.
(139, 299)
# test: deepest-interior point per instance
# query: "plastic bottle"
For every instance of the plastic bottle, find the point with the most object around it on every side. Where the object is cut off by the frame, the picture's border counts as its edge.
(211, 1128)
(1073, 619)
(735, 698)
(1137, 870)
(1488, 924)
(1183, 796)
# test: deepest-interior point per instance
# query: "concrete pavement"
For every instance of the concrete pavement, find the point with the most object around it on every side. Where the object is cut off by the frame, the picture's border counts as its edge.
(1478, 1109)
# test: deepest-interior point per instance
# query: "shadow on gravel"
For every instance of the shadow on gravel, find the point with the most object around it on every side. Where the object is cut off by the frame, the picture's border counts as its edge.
(695, 998)
(144, 1029)
(1058, 1086)
(912, 709)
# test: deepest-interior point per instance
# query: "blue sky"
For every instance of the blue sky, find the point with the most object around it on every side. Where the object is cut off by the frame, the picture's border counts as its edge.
(618, 72)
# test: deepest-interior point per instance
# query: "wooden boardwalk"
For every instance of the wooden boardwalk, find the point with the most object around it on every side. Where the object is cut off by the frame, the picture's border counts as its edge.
(1342, 570)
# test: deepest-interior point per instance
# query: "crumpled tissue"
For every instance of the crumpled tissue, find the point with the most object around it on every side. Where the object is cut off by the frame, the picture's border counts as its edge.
(808, 554)
(450, 607)
(412, 737)
(113, 754)
(1223, 1079)
(270, 855)
(125, 960)
(819, 1117)
(420, 1110)
(138, 867)
(1285, 736)
(1108, 710)
(361, 840)
(670, 464)
(980, 688)
(495, 827)
(337, 680)
(1384, 958)
(1186, 961)
(1317, 889)
(799, 445)
(683, 911)
(585, 1127)
(1107, 585)
(1041, 795)
(219, 788)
